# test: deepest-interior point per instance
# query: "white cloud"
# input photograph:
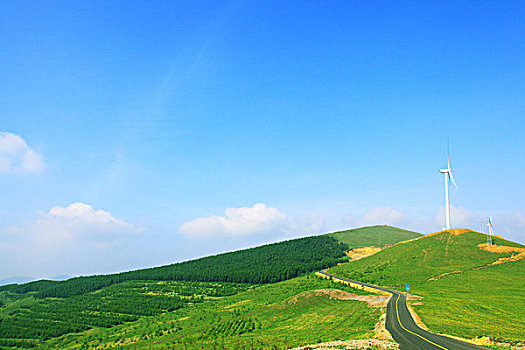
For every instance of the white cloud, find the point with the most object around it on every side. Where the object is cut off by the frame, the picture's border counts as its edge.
(79, 219)
(377, 216)
(17, 157)
(67, 240)
(236, 222)
(246, 221)
(76, 224)
(459, 217)
(509, 225)
(303, 225)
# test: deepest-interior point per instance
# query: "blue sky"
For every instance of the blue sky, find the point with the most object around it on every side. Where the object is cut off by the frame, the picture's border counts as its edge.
(129, 129)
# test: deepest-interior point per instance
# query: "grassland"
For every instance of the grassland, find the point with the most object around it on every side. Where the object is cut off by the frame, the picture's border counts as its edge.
(486, 302)
(453, 275)
(273, 316)
(26, 320)
(377, 236)
(463, 295)
(71, 313)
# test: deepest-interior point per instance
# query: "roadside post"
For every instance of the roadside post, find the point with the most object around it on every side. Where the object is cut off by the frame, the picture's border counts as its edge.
(408, 288)
(381, 299)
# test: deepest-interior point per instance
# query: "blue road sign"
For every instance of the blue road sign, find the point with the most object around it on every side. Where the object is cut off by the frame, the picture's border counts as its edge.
(408, 287)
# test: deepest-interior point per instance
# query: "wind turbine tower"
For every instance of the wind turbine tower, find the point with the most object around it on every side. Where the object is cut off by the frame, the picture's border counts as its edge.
(491, 230)
(448, 178)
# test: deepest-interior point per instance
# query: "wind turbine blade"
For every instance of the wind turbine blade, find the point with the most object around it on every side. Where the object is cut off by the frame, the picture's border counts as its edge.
(452, 178)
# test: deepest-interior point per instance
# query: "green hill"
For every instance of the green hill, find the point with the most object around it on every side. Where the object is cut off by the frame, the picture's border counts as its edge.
(265, 264)
(377, 236)
(464, 294)
(238, 298)
(33, 312)
(271, 316)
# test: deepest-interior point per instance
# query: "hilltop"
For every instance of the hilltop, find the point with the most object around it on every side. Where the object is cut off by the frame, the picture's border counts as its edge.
(426, 257)
(376, 236)
(475, 288)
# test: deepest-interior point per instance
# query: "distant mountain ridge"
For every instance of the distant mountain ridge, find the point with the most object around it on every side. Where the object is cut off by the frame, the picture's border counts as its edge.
(16, 280)
(25, 279)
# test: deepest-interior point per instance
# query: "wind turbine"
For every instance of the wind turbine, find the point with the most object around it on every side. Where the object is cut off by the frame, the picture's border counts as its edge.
(491, 229)
(448, 178)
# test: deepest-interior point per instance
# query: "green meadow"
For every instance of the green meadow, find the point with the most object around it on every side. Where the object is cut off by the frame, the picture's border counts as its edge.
(274, 316)
(225, 300)
(485, 302)
(463, 295)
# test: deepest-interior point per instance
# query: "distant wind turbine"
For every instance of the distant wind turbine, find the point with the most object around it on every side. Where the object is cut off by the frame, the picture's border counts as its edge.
(491, 230)
(448, 178)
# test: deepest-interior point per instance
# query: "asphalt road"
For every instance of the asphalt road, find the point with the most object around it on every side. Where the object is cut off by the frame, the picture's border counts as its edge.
(404, 330)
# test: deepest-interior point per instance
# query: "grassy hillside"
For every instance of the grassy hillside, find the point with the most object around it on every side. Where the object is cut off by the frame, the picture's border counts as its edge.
(464, 294)
(265, 264)
(35, 319)
(377, 236)
(272, 316)
(478, 302)
(35, 312)
(40, 310)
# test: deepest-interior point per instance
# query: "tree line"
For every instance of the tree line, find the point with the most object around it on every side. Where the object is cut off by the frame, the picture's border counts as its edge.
(265, 264)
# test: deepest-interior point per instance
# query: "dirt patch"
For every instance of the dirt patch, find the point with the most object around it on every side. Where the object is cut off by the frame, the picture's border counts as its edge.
(416, 317)
(515, 257)
(380, 331)
(435, 278)
(360, 253)
(496, 248)
(453, 231)
(371, 300)
(486, 341)
(351, 344)
(352, 284)
(237, 304)
(501, 249)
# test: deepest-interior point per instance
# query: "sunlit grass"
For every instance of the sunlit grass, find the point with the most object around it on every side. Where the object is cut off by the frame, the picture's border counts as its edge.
(476, 300)
(280, 323)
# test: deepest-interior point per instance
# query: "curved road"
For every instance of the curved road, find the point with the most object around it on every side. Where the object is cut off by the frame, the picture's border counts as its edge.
(404, 330)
